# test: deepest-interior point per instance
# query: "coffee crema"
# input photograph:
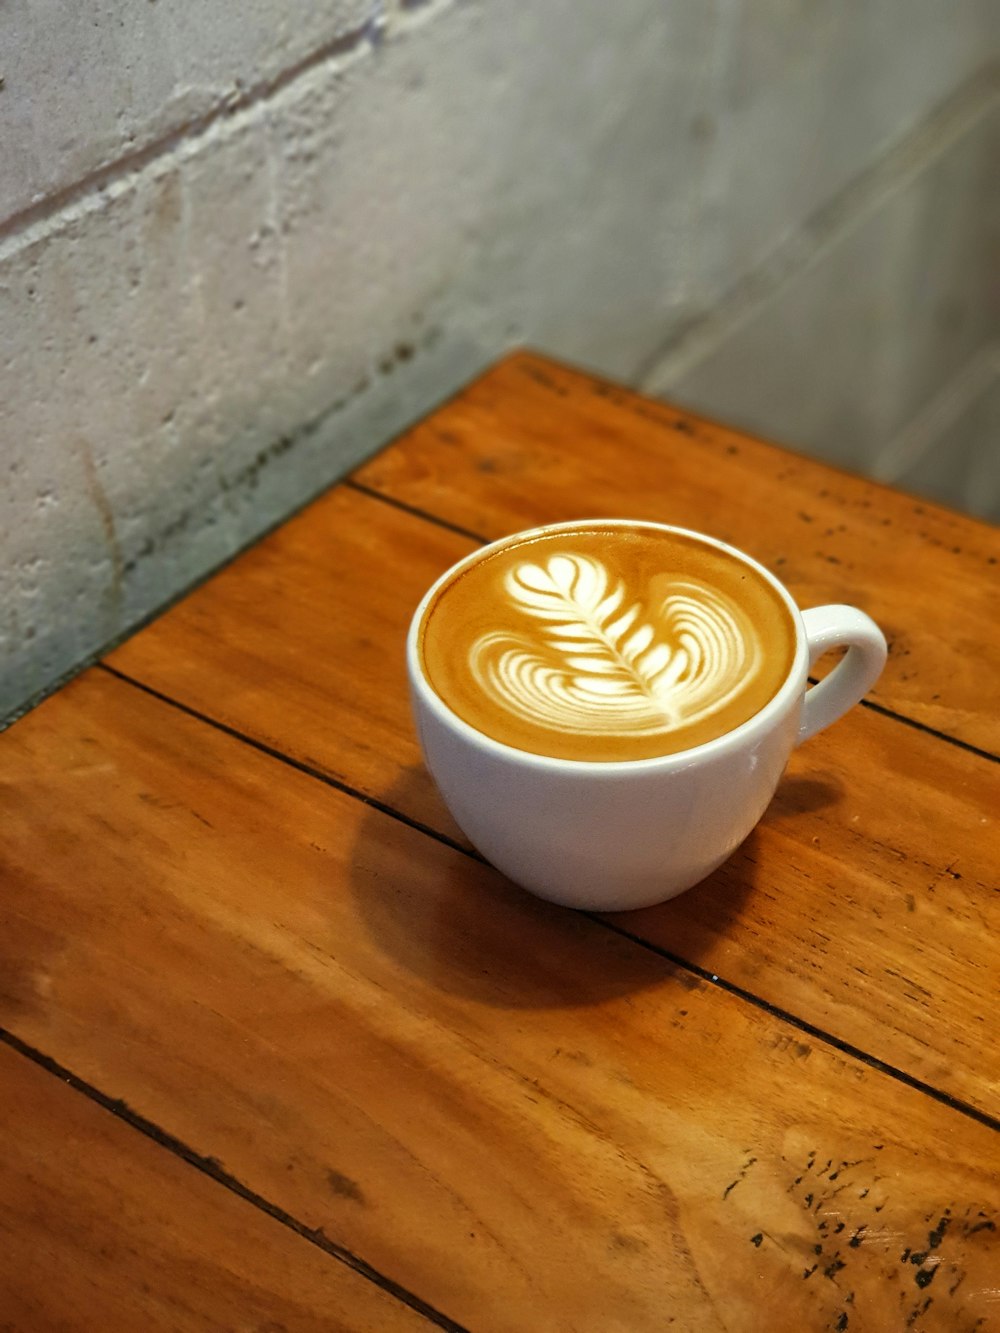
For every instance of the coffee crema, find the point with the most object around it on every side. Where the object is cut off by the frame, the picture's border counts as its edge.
(606, 643)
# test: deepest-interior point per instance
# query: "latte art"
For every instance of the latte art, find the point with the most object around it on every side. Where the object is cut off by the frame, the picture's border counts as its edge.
(596, 662)
(606, 642)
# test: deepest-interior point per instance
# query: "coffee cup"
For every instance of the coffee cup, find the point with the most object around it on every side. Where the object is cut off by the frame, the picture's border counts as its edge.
(607, 706)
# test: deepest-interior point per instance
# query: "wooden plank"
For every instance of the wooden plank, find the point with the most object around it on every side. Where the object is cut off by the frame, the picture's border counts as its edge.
(866, 902)
(102, 1229)
(532, 442)
(522, 1117)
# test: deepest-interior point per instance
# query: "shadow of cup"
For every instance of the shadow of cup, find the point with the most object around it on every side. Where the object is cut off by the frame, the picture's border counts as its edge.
(455, 923)
(459, 925)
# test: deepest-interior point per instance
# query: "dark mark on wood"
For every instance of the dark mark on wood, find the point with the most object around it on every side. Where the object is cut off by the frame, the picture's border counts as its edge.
(919, 1310)
(925, 1276)
(742, 1176)
(344, 1186)
(537, 374)
(757, 1239)
(630, 1244)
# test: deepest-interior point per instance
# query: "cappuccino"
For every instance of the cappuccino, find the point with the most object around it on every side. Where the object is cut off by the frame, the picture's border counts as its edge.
(606, 642)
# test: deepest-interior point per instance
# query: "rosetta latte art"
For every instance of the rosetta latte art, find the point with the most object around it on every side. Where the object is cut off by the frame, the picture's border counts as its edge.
(592, 661)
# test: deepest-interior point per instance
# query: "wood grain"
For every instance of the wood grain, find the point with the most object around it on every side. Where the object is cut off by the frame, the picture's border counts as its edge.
(867, 902)
(102, 1229)
(519, 1115)
(532, 442)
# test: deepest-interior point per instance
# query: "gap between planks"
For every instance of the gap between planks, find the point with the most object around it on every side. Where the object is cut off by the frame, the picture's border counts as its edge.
(210, 1167)
(711, 978)
(478, 537)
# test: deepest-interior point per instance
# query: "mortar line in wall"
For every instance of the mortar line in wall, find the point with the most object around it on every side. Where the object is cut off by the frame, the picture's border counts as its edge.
(710, 73)
(813, 240)
(108, 182)
(414, 12)
(909, 445)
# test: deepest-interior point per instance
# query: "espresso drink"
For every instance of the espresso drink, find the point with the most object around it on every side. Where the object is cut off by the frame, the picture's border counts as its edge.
(607, 642)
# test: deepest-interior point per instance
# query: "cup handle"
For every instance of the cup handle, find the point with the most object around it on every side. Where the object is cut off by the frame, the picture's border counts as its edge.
(832, 627)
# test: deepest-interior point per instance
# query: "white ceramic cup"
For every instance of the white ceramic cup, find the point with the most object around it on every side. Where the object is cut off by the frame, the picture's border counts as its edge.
(621, 835)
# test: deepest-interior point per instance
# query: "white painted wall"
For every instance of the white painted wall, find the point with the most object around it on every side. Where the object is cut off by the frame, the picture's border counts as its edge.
(242, 244)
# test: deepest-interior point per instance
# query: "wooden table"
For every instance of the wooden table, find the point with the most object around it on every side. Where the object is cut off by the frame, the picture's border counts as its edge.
(279, 1053)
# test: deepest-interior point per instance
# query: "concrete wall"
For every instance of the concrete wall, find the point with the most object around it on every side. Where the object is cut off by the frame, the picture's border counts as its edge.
(241, 246)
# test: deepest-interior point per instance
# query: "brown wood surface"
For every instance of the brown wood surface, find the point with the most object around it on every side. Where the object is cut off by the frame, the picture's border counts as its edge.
(532, 442)
(866, 903)
(101, 1229)
(524, 1118)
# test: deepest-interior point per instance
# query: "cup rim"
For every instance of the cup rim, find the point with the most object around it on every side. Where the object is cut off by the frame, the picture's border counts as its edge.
(759, 722)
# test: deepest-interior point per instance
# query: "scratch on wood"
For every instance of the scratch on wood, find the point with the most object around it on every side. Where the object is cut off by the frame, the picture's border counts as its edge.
(742, 1176)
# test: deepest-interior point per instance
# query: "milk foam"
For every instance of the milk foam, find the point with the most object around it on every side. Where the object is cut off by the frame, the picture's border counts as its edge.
(596, 657)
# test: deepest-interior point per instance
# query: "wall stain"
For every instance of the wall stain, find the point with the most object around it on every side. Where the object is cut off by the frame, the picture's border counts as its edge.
(105, 513)
(244, 478)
